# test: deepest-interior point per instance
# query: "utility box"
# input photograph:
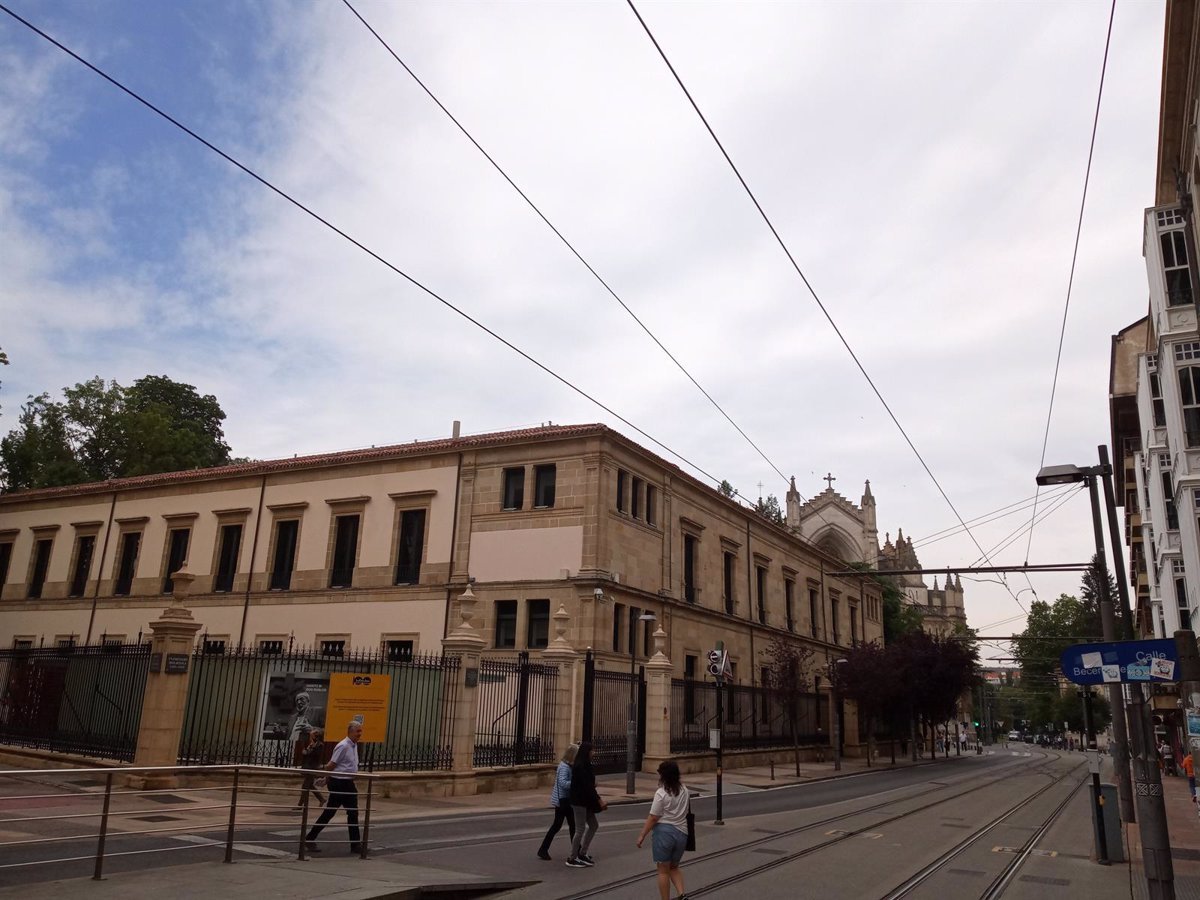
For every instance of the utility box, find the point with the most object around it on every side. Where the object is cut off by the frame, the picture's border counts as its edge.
(1113, 832)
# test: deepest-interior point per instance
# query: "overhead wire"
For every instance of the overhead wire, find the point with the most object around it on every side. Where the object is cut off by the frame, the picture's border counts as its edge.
(1087, 174)
(558, 233)
(346, 236)
(812, 291)
(1059, 502)
(995, 515)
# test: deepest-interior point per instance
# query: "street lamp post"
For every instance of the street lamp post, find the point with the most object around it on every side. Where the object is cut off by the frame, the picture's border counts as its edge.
(631, 728)
(835, 693)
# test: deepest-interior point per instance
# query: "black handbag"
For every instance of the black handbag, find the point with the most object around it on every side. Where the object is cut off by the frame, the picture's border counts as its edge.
(691, 828)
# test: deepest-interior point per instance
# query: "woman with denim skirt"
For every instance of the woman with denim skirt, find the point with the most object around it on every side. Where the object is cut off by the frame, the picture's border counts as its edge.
(668, 821)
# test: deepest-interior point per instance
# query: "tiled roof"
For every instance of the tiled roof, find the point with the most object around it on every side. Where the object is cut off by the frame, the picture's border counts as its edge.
(342, 457)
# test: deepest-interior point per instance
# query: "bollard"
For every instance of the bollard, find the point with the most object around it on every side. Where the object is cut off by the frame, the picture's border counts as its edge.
(99, 873)
(772, 768)
(232, 817)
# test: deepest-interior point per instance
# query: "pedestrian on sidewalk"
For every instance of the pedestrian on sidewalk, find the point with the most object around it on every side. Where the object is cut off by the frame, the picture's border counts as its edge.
(668, 821)
(343, 765)
(560, 800)
(585, 803)
(311, 759)
(1190, 771)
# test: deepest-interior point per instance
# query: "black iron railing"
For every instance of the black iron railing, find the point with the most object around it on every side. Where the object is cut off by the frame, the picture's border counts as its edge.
(755, 717)
(254, 707)
(515, 722)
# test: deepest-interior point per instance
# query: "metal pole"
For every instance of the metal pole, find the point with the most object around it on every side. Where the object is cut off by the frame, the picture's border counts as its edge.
(304, 825)
(232, 817)
(1094, 765)
(720, 741)
(103, 828)
(631, 728)
(1120, 748)
(1152, 815)
(837, 719)
(362, 847)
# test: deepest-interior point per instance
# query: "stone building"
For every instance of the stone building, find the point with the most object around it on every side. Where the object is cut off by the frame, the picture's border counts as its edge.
(370, 548)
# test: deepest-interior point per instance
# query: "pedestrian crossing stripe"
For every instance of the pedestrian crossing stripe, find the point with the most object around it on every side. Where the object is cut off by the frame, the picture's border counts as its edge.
(1050, 853)
(1006, 849)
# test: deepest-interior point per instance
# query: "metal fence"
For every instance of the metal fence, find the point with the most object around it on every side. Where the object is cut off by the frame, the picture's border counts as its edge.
(515, 722)
(253, 707)
(754, 717)
(607, 695)
(74, 699)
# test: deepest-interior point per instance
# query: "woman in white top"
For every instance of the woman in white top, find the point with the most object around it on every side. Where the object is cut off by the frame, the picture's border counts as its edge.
(668, 820)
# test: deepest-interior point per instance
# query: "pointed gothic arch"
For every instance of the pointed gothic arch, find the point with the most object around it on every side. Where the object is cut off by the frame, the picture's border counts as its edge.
(838, 542)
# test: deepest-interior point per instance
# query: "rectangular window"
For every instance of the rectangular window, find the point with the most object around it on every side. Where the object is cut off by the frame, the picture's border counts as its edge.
(729, 572)
(270, 647)
(789, 591)
(334, 648)
(689, 568)
(622, 478)
(1156, 401)
(514, 488)
(647, 638)
(760, 577)
(84, 547)
(543, 485)
(1169, 501)
(398, 651)
(833, 619)
(412, 543)
(345, 551)
(1178, 279)
(65, 645)
(41, 564)
(853, 625)
(689, 692)
(814, 611)
(764, 673)
(112, 644)
(286, 532)
(231, 542)
(635, 498)
(176, 555)
(5, 561)
(631, 640)
(651, 503)
(537, 628)
(1189, 395)
(506, 624)
(214, 646)
(618, 619)
(130, 544)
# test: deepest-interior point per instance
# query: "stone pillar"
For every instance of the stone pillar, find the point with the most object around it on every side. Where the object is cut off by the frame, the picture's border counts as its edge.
(658, 705)
(467, 643)
(561, 652)
(173, 635)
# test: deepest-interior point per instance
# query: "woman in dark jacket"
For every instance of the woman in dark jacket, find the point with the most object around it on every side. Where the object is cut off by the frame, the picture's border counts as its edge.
(586, 803)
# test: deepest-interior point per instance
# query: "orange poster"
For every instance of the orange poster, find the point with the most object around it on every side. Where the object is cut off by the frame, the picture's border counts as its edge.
(359, 697)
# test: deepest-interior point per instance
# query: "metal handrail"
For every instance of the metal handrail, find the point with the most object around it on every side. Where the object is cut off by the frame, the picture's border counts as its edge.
(230, 827)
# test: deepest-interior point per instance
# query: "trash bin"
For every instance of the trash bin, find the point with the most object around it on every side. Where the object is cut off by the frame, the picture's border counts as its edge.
(1113, 832)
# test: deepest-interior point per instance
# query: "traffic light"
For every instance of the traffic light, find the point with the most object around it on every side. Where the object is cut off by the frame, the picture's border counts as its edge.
(975, 722)
(718, 662)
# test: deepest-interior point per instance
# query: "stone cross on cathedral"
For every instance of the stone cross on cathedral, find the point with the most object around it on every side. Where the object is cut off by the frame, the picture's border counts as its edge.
(829, 480)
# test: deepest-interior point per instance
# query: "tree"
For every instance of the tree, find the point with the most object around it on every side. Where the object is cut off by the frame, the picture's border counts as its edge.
(868, 678)
(1091, 594)
(769, 509)
(790, 681)
(899, 617)
(3, 358)
(102, 430)
(726, 489)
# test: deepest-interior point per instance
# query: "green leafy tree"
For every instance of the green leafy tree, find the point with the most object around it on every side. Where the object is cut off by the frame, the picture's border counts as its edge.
(3, 358)
(770, 510)
(726, 489)
(102, 430)
(868, 678)
(790, 681)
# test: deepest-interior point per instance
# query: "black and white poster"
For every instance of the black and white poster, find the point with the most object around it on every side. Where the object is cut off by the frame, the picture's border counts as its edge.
(295, 703)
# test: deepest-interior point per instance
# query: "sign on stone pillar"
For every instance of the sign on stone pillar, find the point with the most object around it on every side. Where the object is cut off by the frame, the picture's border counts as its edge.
(172, 637)
(658, 705)
(467, 643)
(561, 652)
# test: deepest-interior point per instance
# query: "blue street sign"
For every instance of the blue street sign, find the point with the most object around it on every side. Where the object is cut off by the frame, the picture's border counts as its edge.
(1119, 661)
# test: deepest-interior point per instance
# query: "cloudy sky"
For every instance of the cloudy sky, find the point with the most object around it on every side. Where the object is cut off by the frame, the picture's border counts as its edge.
(923, 161)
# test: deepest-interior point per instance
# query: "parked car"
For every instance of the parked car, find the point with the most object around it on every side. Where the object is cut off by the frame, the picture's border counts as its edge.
(1015, 736)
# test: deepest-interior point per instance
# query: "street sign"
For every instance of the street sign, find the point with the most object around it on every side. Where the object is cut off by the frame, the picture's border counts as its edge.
(1120, 661)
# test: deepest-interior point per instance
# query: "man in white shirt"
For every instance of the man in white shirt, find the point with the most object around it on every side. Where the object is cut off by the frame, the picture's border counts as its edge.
(342, 792)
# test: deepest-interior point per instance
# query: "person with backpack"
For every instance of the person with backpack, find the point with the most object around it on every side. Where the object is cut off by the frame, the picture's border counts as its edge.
(585, 803)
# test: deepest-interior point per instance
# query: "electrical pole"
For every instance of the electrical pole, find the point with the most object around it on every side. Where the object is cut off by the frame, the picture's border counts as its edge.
(1093, 755)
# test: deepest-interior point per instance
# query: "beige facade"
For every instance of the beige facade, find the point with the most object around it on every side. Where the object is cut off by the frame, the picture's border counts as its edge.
(572, 516)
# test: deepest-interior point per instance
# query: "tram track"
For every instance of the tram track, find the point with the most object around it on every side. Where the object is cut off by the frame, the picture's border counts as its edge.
(784, 859)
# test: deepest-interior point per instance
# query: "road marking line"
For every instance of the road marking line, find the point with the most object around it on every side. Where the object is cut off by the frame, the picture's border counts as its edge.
(252, 849)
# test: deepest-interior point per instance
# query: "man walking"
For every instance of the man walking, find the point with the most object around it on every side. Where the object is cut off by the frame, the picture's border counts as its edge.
(342, 792)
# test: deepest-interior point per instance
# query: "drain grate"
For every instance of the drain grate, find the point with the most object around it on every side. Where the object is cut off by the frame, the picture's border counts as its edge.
(157, 819)
(1041, 879)
(165, 798)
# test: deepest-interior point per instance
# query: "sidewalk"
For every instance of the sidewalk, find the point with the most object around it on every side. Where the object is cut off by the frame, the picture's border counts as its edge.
(349, 878)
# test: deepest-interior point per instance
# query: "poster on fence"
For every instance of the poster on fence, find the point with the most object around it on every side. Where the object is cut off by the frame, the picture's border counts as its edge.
(362, 698)
(293, 703)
